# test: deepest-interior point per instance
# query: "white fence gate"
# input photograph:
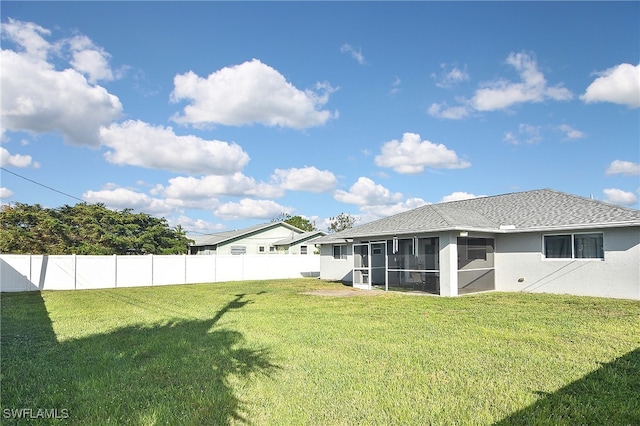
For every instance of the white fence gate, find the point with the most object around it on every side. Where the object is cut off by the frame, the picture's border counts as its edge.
(74, 272)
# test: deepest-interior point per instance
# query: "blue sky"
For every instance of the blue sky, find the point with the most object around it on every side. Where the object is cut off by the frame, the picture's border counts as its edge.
(223, 115)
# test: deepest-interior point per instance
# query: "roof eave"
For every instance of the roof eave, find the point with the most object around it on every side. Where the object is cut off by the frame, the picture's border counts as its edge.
(488, 230)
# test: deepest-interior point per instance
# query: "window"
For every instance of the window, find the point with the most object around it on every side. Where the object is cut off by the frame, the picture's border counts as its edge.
(261, 249)
(339, 252)
(574, 246)
(557, 246)
(272, 249)
(474, 253)
(477, 249)
(303, 249)
(588, 246)
(238, 250)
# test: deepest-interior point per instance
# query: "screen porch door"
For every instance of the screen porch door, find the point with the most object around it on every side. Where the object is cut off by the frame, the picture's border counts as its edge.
(370, 264)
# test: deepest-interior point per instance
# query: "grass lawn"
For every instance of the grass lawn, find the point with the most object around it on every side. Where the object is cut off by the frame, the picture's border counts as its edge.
(264, 353)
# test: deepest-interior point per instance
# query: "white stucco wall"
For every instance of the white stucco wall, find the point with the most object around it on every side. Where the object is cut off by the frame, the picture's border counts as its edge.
(519, 257)
(297, 248)
(449, 264)
(336, 269)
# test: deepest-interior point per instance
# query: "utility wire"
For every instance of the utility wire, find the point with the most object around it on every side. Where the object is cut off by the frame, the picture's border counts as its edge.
(42, 185)
(65, 194)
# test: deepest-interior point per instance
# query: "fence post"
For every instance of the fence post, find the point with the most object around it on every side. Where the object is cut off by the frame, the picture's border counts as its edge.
(151, 256)
(75, 271)
(30, 272)
(115, 268)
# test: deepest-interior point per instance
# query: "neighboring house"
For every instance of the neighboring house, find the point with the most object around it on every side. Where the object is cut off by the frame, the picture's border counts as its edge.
(269, 238)
(299, 243)
(534, 241)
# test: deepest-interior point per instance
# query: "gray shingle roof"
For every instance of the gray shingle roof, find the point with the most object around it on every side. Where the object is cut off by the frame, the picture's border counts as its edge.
(542, 209)
(221, 237)
(294, 239)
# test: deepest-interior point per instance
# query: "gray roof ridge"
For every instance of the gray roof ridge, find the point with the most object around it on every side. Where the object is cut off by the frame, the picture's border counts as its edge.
(604, 203)
(496, 196)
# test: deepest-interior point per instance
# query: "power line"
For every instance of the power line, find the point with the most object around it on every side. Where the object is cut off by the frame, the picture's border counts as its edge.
(64, 193)
(42, 185)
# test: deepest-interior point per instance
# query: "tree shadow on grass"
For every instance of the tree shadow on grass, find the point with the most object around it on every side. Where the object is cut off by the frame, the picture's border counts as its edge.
(182, 372)
(608, 396)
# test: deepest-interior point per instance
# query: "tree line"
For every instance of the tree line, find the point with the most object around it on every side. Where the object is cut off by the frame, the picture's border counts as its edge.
(93, 229)
(338, 223)
(87, 229)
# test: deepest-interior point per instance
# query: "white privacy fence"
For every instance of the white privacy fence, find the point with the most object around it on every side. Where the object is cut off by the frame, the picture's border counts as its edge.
(74, 272)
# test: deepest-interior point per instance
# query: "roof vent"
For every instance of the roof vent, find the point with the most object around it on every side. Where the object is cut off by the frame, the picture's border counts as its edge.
(507, 227)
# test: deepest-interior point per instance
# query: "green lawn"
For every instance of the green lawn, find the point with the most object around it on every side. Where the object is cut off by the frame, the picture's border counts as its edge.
(263, 353)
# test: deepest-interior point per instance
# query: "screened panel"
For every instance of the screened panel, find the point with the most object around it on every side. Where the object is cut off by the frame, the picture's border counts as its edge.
(360, 256)
(417, 254)
(474, 253)
(478, 280)
(413, 264)
(428, 282)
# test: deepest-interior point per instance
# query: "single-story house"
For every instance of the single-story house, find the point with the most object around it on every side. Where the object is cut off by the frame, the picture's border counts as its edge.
(268, 238)
(533, 241)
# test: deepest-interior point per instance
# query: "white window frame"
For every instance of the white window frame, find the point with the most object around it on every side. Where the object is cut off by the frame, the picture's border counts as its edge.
(573, 246)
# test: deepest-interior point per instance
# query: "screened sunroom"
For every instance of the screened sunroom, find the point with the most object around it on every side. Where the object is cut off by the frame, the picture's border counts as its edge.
(413, 264)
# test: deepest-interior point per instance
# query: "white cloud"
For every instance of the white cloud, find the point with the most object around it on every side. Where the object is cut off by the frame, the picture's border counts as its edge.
(526, 134)
(618, 196)
(239, 185)
(442, 110)
(619, 85)
(305, 179)
(374, 212)
(367, 192)
(196, 226)
(251, 209)
(450, 76)
(90, 59)
(395, 86)
(5, 193)
(621, 167)
(355, 53)
(38, 98)
(28, 36)
(570, 132)
(251, 92)
(139, 144)
(510, 137)
(123, 198)
(501, 94)
(411, 155)
(236, 184)
(458, 196)
(16, 160)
